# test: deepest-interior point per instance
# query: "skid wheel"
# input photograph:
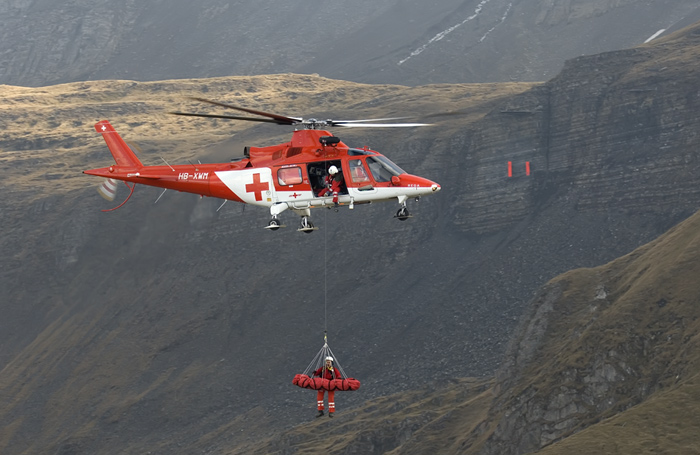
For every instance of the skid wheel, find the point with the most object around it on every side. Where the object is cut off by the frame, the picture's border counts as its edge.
(274, 224)
(403, 214)
(306, 224)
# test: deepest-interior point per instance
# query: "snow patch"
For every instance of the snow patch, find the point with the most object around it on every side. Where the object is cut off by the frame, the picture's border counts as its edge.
(446, 32)
(503, 18)
(655, 35)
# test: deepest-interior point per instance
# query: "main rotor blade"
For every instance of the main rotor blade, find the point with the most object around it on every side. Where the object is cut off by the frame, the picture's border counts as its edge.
(281, 119)
(445, 114)
(368, 120)
(230, 117)
(380, 125)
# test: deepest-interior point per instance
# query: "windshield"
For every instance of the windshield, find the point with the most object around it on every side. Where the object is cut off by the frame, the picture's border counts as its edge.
(382, 168)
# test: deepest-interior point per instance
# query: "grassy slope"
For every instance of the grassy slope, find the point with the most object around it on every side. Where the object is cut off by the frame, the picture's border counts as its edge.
(48, 139)
(641, 312)
(665, 423)
(402, 423)
(48, 132)
(651, 321)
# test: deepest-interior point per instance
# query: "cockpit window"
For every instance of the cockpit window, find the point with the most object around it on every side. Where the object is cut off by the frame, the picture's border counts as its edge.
(382, 168)
(289, 176)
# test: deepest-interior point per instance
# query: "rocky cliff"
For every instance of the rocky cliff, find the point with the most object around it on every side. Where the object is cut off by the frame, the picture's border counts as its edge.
(597, 342)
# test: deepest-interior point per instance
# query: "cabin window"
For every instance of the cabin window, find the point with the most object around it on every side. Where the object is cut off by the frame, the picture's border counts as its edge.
(289, 176)
(357, 172)
(292, 151)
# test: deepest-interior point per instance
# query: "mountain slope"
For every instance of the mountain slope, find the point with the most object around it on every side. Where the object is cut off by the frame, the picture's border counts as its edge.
(605, 361)
(391, 41)
(133, 316)
(598, 343)
(661, 424)
(175, 326)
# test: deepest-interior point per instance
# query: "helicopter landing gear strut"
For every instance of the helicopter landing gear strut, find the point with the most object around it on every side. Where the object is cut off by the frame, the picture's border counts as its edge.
(403, 214)
(306, 225)
(274, 224)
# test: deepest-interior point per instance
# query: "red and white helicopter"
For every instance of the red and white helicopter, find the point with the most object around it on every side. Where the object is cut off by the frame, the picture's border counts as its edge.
(289, 176)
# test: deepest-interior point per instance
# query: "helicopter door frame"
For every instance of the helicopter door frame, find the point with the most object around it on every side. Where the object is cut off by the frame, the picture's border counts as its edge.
(361, 184)
(317, 171)
(291, 183)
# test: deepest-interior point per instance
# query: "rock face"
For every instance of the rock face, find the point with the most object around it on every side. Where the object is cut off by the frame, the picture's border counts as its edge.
(407, 42)
(646, 124)
(604, 131)
(582, 354)
(176, 319)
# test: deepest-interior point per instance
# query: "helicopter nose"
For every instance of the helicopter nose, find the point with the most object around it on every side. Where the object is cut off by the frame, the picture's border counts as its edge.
(429, 184)
(422, 185)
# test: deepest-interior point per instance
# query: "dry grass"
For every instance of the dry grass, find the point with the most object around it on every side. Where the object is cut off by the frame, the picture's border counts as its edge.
(664, 424)
(412, 422)
(647, 326)
(48, 137)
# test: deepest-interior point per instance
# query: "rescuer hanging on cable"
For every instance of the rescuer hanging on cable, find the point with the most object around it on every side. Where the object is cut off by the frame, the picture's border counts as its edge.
(327, 371)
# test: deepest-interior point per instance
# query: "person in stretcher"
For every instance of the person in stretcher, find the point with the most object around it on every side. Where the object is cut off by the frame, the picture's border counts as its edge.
(327, 371)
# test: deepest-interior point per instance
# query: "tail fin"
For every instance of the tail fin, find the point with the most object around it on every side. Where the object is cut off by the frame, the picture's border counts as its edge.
(123, 155)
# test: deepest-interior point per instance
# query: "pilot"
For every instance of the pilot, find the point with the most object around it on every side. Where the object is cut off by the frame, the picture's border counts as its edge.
(334, 180)
(327, 372)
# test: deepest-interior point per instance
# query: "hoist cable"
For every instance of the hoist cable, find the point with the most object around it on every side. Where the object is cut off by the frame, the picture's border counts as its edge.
(325, 273)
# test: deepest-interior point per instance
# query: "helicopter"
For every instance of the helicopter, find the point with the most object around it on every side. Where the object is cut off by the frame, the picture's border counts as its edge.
(290, 176)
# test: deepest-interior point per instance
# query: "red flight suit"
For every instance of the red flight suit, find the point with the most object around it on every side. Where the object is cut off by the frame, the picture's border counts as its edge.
(335, 181)
(330, 374)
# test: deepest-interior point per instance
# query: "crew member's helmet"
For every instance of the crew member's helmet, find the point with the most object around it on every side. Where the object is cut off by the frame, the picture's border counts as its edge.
(332, 171)
(329, 358)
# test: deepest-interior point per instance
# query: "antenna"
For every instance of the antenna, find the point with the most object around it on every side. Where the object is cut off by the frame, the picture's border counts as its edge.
(161, 195)
(173, 169)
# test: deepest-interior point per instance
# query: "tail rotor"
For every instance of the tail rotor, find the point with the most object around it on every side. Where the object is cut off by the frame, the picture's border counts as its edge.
(108, 189)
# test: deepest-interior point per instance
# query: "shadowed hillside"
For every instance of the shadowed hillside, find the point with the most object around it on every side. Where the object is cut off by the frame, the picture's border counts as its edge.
(605, 361)
(177, 327)
(617, 344)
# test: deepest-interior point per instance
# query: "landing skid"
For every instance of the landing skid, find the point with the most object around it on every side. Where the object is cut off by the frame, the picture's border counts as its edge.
(275, 227)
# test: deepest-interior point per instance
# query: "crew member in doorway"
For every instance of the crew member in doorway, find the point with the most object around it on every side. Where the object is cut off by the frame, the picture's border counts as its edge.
(327, 372)
(334, 181)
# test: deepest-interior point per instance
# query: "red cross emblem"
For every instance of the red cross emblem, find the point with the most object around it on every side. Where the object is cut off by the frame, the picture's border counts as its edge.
(257, 187)
(295, 195)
